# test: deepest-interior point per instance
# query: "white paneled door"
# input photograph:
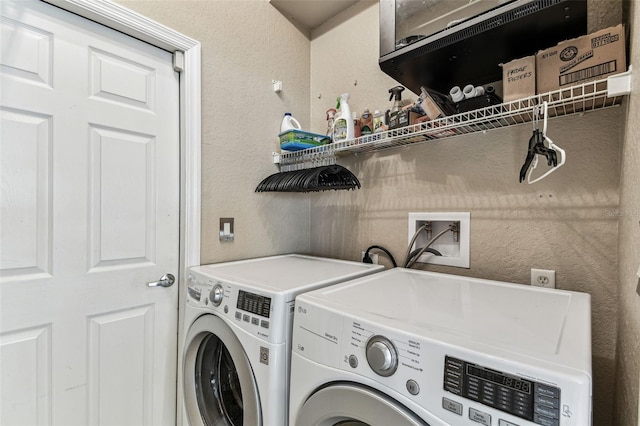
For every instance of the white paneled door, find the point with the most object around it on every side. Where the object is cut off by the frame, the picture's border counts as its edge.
(89, 152)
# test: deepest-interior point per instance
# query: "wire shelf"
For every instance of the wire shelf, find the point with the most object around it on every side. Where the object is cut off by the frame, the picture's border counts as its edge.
(573, 100)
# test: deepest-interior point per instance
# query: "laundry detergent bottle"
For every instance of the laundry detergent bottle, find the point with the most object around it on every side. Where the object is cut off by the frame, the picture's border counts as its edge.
(343, 124)
(289, 123)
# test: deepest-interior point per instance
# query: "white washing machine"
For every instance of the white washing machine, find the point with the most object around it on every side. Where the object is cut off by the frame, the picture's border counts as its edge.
(407, 347)
(237, 346)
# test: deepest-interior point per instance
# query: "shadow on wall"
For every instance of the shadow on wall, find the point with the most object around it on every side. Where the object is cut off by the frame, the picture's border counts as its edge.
(285, 228)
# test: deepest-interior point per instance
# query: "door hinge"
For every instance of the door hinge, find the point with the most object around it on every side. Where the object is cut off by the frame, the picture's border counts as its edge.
(178, 61)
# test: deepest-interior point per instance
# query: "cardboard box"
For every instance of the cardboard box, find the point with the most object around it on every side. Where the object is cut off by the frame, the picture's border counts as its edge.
(591, 57)
(519, 79)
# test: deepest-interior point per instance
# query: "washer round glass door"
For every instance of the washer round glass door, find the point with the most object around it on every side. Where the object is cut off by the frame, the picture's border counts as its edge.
(219, 386)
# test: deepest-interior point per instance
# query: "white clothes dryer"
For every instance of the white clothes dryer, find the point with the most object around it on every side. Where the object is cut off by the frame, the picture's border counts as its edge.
(237, 328)
(406, 347)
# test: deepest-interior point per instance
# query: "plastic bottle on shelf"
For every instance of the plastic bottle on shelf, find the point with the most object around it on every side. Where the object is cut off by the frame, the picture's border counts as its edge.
(396, 96)
(289, 123)
(378, 121)
(343, 125)
(366, 123)
(331, 116)
(357, 132)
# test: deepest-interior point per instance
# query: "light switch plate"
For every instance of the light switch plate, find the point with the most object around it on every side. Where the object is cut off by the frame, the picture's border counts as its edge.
(226, 229)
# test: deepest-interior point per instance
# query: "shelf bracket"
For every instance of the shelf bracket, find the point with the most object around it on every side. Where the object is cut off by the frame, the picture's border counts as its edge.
(619, 84)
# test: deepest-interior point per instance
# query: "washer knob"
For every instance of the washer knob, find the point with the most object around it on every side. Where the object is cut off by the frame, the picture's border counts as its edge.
(382, 356)
(216, 295)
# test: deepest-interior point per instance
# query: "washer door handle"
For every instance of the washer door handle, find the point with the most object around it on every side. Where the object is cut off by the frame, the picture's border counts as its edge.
(166, 280)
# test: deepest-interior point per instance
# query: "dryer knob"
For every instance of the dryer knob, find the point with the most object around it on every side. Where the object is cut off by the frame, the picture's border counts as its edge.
(216, 295)
(382, 356)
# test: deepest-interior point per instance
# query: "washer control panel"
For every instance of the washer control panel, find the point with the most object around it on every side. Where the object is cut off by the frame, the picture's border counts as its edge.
(254, 303)
(524, 398)
(249, 310)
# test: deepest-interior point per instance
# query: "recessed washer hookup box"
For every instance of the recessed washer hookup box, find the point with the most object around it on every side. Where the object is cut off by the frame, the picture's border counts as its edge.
(581, 60)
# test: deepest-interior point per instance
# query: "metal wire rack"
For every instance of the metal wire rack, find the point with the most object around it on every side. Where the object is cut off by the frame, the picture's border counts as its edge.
(577, 99)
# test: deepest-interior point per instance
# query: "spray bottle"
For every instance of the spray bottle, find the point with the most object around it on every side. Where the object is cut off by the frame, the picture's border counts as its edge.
(396, 92)
(331, 115)
(343, 125)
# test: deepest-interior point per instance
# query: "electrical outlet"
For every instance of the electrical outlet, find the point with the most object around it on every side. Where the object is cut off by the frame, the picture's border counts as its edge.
(373, 256)
(543, 278)
(453, 247)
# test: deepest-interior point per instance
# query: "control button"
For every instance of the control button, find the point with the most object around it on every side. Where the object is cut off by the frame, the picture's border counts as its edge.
(246, 318)
(546, 390)
(226, 309)
(547, 411)
(449, 405)
(264, 324)
(545, 400)
(238, 315)
(503, 422)
(255, 321)
(480, 417)
(413, 387)
(353, 361)
(545, 421)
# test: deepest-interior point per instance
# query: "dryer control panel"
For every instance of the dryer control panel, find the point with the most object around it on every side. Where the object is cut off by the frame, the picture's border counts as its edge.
(524, 398)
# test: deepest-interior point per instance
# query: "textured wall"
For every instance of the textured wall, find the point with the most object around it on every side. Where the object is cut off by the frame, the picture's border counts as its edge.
(245, 45)
(628, 359)
(566, 222)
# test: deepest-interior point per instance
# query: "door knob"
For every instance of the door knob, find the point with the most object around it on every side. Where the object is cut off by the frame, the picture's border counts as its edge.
(166, 280)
